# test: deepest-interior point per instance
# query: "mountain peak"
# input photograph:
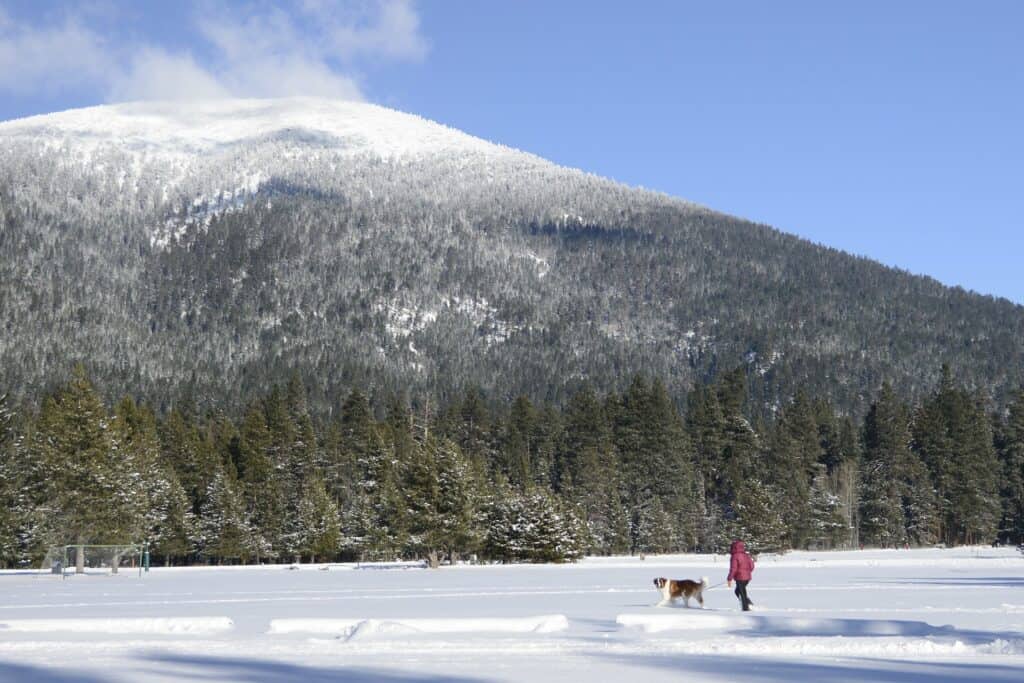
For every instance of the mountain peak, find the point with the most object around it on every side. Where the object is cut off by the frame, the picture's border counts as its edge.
(185, 128)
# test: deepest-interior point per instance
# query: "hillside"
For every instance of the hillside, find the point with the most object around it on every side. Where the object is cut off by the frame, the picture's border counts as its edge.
(208, 250)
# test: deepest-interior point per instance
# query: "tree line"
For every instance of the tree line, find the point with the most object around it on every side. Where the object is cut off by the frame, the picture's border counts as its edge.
(620, 472)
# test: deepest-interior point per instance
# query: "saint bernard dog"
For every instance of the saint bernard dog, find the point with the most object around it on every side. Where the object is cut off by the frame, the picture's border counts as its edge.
(672, 590)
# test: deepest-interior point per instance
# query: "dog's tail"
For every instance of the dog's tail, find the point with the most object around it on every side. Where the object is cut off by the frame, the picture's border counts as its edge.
(704, 581)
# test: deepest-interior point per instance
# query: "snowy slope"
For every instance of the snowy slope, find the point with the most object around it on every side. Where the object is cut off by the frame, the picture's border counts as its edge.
(176, 130)
(871, 616)
(183, 163)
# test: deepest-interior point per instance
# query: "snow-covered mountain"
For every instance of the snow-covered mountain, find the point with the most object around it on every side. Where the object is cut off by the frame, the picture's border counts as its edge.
(208, 245)
(176, 132)
(214, 154)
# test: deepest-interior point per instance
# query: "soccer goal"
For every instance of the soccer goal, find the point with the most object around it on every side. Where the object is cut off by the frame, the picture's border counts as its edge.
(94, 559)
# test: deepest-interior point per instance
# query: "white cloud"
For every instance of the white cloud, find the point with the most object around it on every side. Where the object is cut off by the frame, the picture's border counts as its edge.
(312, 48)
(47, 59)
(158, 75)
(395, 34)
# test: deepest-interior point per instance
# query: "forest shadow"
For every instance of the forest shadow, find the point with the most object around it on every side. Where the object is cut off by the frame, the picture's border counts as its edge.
(768, 669)
(24, 673)
(198, 667)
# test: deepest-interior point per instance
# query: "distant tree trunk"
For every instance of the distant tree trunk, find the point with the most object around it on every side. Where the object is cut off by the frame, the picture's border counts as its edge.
(79, 559)
(434, 559)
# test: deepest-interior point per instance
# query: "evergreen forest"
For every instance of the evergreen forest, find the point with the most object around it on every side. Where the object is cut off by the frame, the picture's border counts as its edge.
(604, 473)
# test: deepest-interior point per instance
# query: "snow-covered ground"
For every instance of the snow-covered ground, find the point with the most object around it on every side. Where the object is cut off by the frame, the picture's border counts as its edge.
(879, 616)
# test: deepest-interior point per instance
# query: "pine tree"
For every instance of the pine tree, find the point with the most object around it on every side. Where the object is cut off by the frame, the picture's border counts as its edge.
(793, 458)
(706, 425)
(657, 467)
(225, 532)
(157, 498)
(87, 471)
(828, 525)
(185, 450)
(374, 514)
(886, 446)
(758, 519)
(9, 482)
(547, 443)
(260, 483)
(532, 526)
(953, 436)
(519, 444)
(319, 534)
(843, 460)
(470, 426)
(29, 511)
(589, 473)
(1011, 453)
(460, 499)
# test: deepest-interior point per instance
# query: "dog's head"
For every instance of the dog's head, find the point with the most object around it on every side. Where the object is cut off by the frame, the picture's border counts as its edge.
(660, 582)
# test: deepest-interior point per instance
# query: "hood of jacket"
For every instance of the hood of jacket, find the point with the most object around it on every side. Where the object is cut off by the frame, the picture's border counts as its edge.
(737, 547)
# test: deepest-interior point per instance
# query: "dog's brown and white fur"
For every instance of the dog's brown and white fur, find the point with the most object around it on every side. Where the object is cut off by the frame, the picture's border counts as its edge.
(673, 589)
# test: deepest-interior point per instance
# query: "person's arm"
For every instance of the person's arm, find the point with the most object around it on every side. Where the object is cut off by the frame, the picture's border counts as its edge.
(733, 567)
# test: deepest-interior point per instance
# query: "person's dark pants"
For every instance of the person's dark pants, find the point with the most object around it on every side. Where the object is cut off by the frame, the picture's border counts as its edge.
(741, 593)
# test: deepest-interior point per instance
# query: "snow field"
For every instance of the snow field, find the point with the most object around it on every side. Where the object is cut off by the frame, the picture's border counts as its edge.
(353, 628)
(199, 626)
(878, 616)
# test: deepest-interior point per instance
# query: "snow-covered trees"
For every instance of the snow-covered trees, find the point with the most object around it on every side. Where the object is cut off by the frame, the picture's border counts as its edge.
(533, 526)
(429, 275)
(619, 473)
(224, 529)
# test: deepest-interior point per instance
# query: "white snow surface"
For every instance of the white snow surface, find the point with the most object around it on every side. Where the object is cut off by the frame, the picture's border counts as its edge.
(875, 616)
(182, 129)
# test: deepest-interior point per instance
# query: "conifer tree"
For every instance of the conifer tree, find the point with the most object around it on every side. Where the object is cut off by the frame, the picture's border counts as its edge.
(225, 531)
(953, 436)
(886, 446)
(828, 524)
(374, 514)
(460, 499)
(546, 445)
(9, 482)
(519, 444)
(184, 448)
(87, 473)
(706, 426)
(29, 512)
(793, 458)
(470, 426)
(589, 474)
(657, 468)
(758, 519)
(1012, 460)
(319, 527)
(261, 483)
(157, 498)
(532, 526)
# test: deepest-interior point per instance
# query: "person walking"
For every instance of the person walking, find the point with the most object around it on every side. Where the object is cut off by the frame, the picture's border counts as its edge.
(741, 567)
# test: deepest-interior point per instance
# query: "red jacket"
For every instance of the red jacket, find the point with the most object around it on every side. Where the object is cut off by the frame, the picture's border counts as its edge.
(741, 566)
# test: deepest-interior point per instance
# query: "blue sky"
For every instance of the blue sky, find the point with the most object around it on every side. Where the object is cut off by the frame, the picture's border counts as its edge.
(888, 129)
